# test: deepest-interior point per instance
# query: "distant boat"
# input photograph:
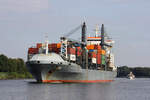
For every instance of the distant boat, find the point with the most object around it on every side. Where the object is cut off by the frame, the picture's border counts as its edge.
(131, 76)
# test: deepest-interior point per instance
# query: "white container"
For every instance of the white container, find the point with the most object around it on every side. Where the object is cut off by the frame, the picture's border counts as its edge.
(72, 57)
(94, 60)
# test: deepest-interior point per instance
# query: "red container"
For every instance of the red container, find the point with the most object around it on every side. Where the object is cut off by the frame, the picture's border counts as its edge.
(98, 47)
(50, 49)
(90, 55)
(78, 51)
(93, 54)
(98, 58)
(54, 45)
(33, 50)
(71, 51)
(39, 45)
(49, 45)
(78, 48)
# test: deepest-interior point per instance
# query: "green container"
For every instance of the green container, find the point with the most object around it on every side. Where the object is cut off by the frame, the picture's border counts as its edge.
(103, 59)
(103, 62)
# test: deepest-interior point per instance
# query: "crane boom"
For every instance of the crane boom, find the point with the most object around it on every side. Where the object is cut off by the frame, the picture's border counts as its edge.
(72, 31)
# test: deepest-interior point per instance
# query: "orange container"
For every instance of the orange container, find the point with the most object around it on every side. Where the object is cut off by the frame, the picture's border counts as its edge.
(58, 45)
(103, 52)
(99, 51)
(90, 47)
(39, 45)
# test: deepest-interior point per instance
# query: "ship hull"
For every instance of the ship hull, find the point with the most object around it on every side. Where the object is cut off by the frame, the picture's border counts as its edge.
(56, 73)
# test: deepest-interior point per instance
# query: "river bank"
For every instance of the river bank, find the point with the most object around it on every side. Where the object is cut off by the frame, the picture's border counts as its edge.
(14, 75)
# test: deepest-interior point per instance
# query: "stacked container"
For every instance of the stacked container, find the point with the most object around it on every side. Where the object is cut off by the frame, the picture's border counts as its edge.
(39, 45)
(54, 47)
(90, 47)
(103, 56)
(72, 54)
(78, 52)
(33, 50)
(95, 54)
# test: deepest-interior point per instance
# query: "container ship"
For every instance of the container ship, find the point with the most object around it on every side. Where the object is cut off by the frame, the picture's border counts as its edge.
(89, 60)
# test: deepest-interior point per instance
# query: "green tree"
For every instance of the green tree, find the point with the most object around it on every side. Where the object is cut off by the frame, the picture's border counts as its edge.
(3, 63)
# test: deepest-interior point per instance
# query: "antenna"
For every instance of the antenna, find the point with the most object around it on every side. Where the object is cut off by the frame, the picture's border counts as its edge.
(97, 30)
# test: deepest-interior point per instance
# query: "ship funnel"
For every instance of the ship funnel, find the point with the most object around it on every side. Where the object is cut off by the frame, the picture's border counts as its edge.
(84, 32)
(102, 36)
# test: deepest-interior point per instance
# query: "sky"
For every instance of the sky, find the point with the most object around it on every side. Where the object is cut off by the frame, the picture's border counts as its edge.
(23, 23)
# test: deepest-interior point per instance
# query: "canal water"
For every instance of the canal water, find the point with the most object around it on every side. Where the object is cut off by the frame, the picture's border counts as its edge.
(120, 89)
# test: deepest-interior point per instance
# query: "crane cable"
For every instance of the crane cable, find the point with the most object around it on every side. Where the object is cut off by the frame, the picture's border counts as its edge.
(72, 31)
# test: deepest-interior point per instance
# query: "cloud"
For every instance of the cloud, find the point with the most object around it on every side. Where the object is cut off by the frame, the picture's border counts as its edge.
(23, 5)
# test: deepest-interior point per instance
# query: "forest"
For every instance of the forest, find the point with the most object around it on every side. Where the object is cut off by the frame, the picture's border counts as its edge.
(13, 68)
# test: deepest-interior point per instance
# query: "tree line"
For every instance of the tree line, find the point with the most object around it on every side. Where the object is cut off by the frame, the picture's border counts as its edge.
(123, 71)
(14, 67)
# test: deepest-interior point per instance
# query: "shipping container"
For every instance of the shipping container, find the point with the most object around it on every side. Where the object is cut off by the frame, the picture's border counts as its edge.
(89, 55)
(91, 50)
(78, 53)
(94, 60)
(77, 45)
(99, 51)
(98, 47)
(54, 45)
(103, 62)
(90, 47)
(71, 51)
(98, 58)
(72, 57)
(103, 57)
(39, 45)
(49, 46)
(103, 52)
(58, 45)
(93, 55)
(78, 48)
(33, 50)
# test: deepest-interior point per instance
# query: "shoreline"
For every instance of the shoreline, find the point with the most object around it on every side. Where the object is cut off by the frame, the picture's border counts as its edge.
(14, 75)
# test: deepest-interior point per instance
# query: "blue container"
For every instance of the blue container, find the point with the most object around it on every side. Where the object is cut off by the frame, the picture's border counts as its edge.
(91, 50)
(77, 45)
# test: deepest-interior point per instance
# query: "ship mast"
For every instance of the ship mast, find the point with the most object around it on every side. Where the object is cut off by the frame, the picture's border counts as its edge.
(83, 46)
(46, 44)
(103, 62)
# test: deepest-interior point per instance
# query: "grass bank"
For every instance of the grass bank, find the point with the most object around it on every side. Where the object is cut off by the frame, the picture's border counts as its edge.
(14, 75)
